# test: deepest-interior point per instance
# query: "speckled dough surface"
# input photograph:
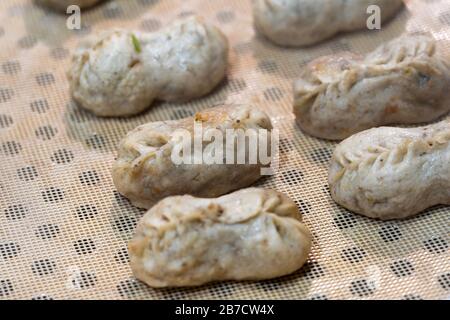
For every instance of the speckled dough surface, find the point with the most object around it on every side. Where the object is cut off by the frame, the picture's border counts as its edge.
(405, 81)
(121, 73)
(306, 22)
(144, 170)
(391, 173)
(62, 5)
(251, 234)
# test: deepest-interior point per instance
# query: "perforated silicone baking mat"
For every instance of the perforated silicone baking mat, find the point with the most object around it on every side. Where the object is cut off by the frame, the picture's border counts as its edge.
(64, 228)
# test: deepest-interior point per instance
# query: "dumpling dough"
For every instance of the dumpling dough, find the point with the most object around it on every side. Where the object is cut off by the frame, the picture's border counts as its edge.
(306, 22)
(121, 73)
(392, 173)
(405, 81)
(62, 5)
(145, 173)
(251, 234)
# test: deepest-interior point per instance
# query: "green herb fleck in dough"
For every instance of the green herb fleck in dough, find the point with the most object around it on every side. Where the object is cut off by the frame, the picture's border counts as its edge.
(136, 44)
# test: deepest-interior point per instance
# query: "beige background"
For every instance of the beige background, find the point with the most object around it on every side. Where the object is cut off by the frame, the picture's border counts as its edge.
(63, 227)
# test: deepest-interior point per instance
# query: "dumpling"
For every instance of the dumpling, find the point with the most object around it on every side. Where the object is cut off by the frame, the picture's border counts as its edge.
(121, 73)
(392, 173)
(62, 5)
(145, 171)
(251, 234)
(405, 81)
(306, 22)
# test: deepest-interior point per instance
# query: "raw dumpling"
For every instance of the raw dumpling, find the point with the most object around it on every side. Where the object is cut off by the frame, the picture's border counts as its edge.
(62, 5)
(405, 81)
(145, 173)
(306, 22)
(392, 173)
(120, 73)
(251, 234)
